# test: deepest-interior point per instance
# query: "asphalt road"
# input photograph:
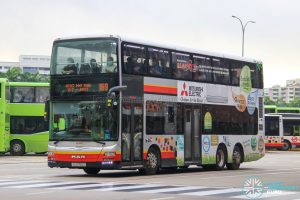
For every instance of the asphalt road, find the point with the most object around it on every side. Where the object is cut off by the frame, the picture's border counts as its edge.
(276, 176)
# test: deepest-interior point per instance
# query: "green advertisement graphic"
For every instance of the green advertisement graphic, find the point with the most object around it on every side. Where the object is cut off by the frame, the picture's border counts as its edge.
(207, 121)
(245, 79)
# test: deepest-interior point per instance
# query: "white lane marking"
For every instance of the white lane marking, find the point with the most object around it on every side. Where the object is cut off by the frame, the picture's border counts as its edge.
(266, 195)
(41, 185)
(18, 182)
(163, 198)
(80, 186)
(212, 192)
(127, 187)
(37, 193)
(171, 189)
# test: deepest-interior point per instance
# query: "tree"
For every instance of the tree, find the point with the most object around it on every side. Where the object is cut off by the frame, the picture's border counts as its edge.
(15, 74)
(294, 103)
(280, 102)
(268, 101)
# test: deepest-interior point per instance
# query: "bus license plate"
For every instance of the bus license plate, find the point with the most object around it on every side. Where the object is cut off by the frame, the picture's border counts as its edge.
(78, 164)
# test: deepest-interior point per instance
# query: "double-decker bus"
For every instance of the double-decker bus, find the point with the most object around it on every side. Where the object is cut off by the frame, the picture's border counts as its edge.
(24, 125)
(119, 103)
(28, 130)
(278, 109)
(274, 131)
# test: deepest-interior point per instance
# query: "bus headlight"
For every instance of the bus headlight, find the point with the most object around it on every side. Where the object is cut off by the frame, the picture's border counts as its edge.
(110, 154)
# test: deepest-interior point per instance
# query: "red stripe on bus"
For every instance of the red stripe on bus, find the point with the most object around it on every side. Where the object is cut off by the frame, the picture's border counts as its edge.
(160, 89)
(85, 157)
(169, 154)
(273, 144)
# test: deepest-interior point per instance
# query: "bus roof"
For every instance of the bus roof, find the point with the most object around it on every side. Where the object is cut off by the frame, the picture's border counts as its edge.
(285, 115)
(37, 84)
(162, 45)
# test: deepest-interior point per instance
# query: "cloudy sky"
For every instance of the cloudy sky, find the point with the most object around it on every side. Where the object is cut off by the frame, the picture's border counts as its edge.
(30, 26)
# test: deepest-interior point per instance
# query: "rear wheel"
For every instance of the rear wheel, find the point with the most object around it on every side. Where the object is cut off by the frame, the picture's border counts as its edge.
(152, 163)
(286, 145)
(91, 171)
(236, 159)
(220, 159)
(17, 148)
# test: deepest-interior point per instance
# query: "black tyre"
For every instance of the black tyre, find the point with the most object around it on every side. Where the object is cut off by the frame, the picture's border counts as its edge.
(91, 171)
(220, 159)
(184, 167)
(17, 148)
(40, 153)
(286, 145)
(152, 163)
(236, 159)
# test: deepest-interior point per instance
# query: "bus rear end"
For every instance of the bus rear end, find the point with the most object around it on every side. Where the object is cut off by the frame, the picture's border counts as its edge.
(84, 122)
(4, 115)
(273, 131)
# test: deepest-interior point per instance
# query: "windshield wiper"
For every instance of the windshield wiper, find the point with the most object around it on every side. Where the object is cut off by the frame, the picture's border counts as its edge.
(99, 142)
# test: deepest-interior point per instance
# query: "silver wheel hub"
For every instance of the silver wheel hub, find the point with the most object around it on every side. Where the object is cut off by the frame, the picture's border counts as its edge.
(236, 157)
(152, 160)
(17, 147)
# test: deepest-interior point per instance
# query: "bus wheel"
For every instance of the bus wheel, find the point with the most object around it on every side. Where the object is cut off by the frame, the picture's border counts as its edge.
(152, 163)
(220, 159)
(286, 145)
(91, 171)
(17, 148)
(236, 159)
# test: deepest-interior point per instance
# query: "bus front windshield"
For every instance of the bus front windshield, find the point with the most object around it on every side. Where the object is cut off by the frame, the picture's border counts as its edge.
(83, 121)
(88, 56)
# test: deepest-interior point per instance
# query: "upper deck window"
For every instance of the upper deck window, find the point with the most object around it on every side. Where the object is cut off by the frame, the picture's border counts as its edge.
(84, 57)
(134, 59)
(159, 62)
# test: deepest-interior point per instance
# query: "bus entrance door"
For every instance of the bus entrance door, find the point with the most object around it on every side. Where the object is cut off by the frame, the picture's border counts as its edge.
(132, 134)
(192, 135)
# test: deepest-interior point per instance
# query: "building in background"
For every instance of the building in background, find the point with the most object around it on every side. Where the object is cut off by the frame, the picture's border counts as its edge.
(287, 93)
(29, 63)
(4, 66)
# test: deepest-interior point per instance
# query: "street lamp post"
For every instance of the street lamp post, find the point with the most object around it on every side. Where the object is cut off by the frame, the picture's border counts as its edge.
(243, 31)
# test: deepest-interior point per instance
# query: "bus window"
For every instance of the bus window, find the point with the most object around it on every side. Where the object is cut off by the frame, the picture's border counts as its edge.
(155, 118)
(202, 69)
(22, 95)
(254, 75)
(134, 59)
(182, 66)
(220, 71)
(236, 68)
(28, 125)
(159, 62)
(271, 126)
(42, 94)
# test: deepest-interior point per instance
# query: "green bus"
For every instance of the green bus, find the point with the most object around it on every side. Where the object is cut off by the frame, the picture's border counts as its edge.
(26, 129)
(277, 109)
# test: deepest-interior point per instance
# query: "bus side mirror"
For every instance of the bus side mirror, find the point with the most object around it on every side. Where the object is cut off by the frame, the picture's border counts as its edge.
(111, 91)
(47, 110)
